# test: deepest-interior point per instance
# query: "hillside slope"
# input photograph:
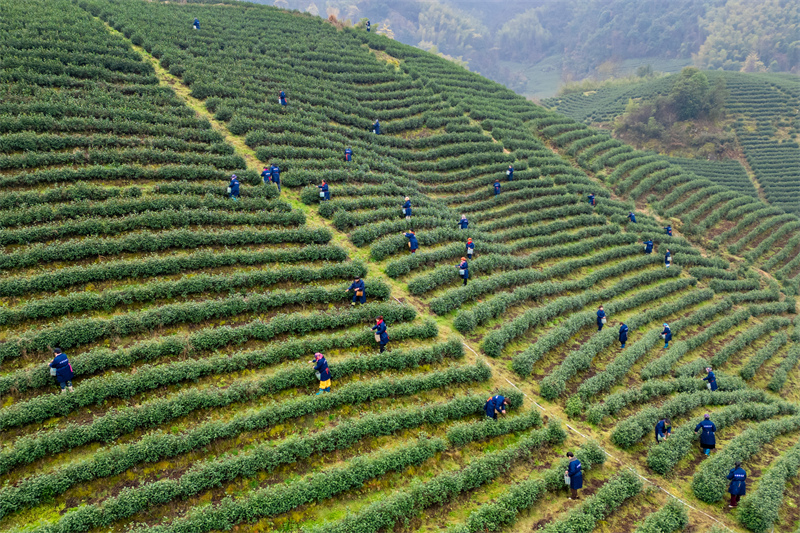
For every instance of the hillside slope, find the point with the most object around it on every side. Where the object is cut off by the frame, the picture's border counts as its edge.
(193, 407)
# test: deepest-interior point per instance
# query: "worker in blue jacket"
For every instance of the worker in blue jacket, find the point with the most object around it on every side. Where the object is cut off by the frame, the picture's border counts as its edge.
(623, 334)
(708, 441)
(380, 333)
(711, 378)
(407, 208)
(632, 217)
(601, 314)
(282, 98)
(368, 26)
(470, 248)
(376, 128)
(663, 429)
(510, 173)
(325, 193)
(667, 335)
(648, 246)
(591, 200)
(668, 230)
(323, 373)
(412, 241)
(266, 175)
(738, 486)
(494, 405)
(463, 270)
(348, 154)
(668, 258)
(575, 473)
(196, 23)
(63, 370)
(275, 174)
(233, 187)
(496, 187)
(463, 223)
(359, 291)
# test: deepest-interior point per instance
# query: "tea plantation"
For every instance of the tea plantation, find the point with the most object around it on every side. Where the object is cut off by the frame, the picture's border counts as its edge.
(189, 318)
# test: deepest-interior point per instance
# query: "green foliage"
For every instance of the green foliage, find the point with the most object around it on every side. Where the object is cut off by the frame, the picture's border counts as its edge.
(669, 518)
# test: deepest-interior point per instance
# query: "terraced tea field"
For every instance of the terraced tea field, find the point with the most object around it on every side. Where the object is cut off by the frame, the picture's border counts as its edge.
(189, 317)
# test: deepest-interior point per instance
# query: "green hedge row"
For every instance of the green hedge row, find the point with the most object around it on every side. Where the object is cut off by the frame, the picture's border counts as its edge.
(401, 505)
(281, 498)
(119, 422)
(667, 519)
(504, 510)
(147, 267)
(202, 284)
(78, 332)
(629, 431)
(662, 365)
(153, 242)
(205, 340)
(163, 220)
(468, 319)
(146, 377)
(663, 457)
(116, 207)
(522, 270)
(523, 362)
(614, 403)
(709, 483)
(780, 375)
(555, 383)
(608, 498)
(752, 366)
(72, 195)
(758, 510)
(33, 490)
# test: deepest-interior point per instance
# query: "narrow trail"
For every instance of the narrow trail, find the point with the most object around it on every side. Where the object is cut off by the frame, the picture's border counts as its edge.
(502, 375)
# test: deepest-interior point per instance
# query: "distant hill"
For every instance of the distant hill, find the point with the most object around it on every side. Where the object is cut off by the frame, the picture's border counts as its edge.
(761, 113)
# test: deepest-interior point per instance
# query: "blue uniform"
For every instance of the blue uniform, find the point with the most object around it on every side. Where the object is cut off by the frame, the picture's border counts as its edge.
(591, 199)
(668, 229)
(712, 380)
(348, 154)
(667, 259)
(324, 190)
(64, 372)
(667, 333)
(407, 207)
(463, 223)
(623, 334)
(510, 173)
(662, 430)
(266, 175)
(380, 329)
(575, 475)
(470, 248)
(600, 316)
(707, 438)
(648, 247)
(496, 188)
(234, 185)
(196, 24)
(412, 240)
(358, 286)
(465, 267)
(738, 479)
(275, 173)
(322, 368)
(282, 98)
(494, 405)
(632, 217)
(368, 25)
(376, 128)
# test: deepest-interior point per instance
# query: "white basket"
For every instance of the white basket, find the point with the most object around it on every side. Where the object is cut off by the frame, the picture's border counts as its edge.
(461, 271)
(229, 190)
(321, 194)
(603, 320)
